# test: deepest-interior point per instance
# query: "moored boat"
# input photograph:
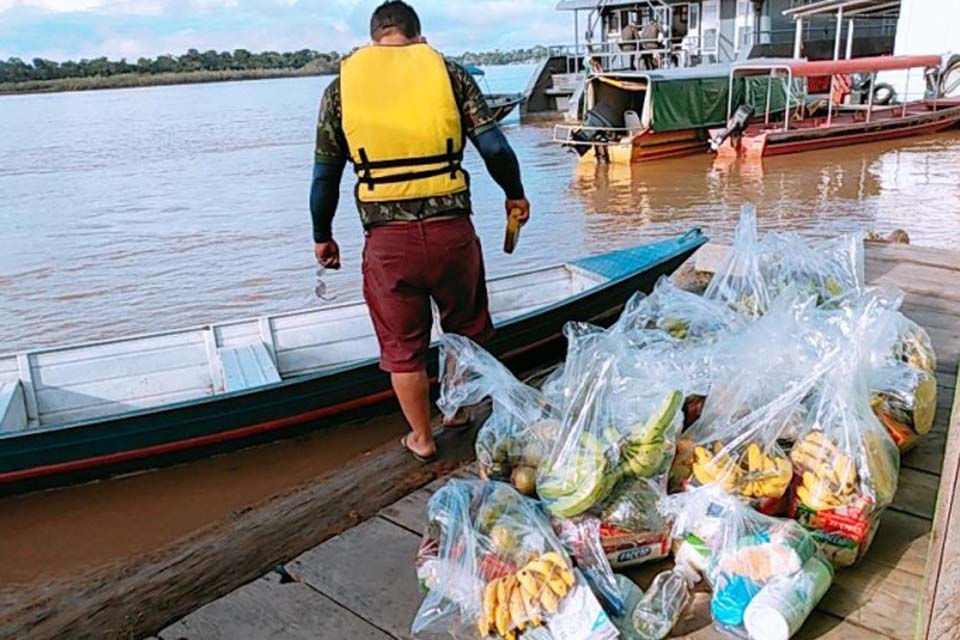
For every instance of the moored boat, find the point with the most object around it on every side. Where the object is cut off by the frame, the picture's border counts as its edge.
(501, 104)
(638, 116)
(848, 114)
(81, 412)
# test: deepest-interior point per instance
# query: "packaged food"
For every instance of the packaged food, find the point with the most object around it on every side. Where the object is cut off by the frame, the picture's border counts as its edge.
(522, 426)
(846, 466)
(761, 569)
(499, 570)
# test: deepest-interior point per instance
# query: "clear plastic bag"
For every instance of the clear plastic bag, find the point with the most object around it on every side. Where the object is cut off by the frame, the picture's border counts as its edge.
(740, 282)
(903, 379)
(771, 368)
(581, 539)
(846, 465)
(613, 426)
(828, 270)
(522, 426)
(767, 574)
(498, 569)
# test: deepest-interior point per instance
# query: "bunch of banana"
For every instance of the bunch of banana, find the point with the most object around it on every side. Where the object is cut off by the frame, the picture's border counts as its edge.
(829, 475)
(754, 475)
(715, 467)
(646, 450)
(765, 476)
(514, 601)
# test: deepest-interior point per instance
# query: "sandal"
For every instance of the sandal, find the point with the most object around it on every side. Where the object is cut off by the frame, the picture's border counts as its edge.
(458, 423)
(419, 458)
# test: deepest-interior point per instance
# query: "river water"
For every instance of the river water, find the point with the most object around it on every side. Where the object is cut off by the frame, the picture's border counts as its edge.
(141, 210)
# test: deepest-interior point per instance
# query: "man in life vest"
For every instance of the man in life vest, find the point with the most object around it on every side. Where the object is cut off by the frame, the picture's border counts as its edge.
(401, 113)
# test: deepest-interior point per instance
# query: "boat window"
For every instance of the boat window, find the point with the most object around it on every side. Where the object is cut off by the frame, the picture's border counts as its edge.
(681, 21)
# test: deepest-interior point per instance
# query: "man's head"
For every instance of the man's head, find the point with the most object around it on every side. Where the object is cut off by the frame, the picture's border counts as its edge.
(396, 21)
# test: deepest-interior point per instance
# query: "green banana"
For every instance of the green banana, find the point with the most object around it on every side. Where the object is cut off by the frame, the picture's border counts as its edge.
(646, 450)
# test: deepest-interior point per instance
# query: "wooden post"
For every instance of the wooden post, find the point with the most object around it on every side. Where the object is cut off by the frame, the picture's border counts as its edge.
(798, 38)
(849, 38)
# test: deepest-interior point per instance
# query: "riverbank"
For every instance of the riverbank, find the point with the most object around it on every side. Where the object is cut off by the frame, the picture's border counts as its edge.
(133, 80)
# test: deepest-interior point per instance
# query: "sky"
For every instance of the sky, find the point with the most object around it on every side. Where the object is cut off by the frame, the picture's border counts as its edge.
(72, 29)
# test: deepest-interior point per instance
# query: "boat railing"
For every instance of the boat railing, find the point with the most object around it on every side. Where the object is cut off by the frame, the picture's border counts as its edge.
(617, 55)
(584, 136)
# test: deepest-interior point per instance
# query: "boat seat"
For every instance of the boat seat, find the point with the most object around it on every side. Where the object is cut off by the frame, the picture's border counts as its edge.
(247, 366)
(13, 409)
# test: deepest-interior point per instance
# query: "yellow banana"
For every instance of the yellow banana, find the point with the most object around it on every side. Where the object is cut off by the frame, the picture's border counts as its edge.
(530, 606)
(489, 606)
(517, 612)
(541, 566)
(502, 618)
(755, 457)
(557, 584)
(528, 583)
(549, 601)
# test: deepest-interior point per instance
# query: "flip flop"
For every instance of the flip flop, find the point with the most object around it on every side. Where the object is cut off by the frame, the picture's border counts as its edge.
(419, 458)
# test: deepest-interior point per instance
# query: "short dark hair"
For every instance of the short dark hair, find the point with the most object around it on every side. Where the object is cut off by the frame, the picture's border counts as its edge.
(394, 14)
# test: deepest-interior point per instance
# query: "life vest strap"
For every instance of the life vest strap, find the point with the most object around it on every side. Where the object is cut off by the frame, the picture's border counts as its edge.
(365, 167)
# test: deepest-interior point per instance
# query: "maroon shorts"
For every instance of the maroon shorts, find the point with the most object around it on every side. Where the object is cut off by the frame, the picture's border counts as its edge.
(406, 264)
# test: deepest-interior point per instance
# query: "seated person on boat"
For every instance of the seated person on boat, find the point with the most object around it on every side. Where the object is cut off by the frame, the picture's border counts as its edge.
(401, 113)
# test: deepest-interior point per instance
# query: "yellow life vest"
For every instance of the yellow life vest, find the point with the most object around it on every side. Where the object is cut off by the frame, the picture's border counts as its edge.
(401, 123)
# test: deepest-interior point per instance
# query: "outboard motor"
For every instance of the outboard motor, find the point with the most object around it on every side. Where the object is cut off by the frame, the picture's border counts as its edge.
(735, 125)
(600, 117)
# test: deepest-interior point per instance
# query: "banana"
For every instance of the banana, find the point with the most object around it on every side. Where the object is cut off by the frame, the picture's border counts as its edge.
(517, 611)
(528, 583)
(555, 559)
(557, 584)
(502, 618)
(503, 594)
(540, 566)
(530, 606)
(549, 601)
(755, 457)
(489, 606)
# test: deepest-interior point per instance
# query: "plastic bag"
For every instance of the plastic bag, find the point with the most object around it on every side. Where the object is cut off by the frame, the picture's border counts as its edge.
(581, 539)
(828, 270)
(522, 426)
(613, 426)
(499, 569)
(766, 573)
(845, 463)
(740, 283)
(772, 368)
(903, 379)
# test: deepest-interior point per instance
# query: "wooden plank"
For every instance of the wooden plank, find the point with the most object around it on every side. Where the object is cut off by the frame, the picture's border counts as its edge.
(368, 570)
(236, 550)
(876, 597)
(917, 493)
(939, 615)
(268, 608)
(901, 542)
(410, 512)
(928, 453)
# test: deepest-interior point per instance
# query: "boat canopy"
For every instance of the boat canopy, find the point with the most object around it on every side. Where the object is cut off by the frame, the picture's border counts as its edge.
(693, 98)
(474, 70)
(808, 68)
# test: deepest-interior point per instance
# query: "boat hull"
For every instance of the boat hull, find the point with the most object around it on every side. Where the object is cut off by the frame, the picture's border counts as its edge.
(772, 143)
(188, 430)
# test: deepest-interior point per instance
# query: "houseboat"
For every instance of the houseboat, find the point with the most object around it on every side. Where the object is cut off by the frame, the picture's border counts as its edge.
(847, 114)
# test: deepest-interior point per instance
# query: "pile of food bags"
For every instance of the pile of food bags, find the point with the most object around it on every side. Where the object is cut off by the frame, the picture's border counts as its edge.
(754, 431)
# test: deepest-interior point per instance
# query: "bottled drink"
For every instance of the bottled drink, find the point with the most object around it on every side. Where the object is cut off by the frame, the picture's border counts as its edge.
(659, 610)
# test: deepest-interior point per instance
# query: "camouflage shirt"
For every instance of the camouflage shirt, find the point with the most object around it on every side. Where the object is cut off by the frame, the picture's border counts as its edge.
(475, 116)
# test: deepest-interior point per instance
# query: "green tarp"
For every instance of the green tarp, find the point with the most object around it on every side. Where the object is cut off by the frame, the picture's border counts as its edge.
(698, 102)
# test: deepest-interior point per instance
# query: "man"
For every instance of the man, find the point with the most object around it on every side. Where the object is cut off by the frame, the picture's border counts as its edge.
(628, 42)
(400, 113)
(650, 41)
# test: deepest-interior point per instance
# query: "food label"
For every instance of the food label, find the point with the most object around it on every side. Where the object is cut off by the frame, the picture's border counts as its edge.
(581, 617)
(624, 549)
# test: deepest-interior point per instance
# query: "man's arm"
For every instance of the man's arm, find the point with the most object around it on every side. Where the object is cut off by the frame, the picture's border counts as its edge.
(481, 127)
(330, 158)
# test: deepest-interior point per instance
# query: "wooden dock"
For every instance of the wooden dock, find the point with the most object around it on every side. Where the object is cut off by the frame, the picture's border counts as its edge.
(362, 584)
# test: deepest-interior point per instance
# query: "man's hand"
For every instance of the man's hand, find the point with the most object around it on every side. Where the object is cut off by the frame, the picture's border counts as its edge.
(523, 206)
(328, 254)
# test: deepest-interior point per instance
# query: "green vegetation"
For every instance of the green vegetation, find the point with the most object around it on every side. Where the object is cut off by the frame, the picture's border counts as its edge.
(17, 76)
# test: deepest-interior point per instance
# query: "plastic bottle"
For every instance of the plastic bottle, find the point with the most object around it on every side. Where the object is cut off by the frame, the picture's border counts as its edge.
(659, 610)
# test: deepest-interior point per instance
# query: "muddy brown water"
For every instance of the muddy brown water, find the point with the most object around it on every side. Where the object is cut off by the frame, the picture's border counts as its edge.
(143, 210)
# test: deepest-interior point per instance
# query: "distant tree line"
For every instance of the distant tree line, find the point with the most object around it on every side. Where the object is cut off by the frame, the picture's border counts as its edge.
(307, 61)
(16, 70)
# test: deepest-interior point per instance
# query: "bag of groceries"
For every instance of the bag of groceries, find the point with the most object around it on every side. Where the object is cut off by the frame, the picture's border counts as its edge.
(522, 425)
(846, 466)
(494, 568)
(614, 426)
(766, 574)
(770, 369)
(828, 270)
(740, 283)
(903, 380)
